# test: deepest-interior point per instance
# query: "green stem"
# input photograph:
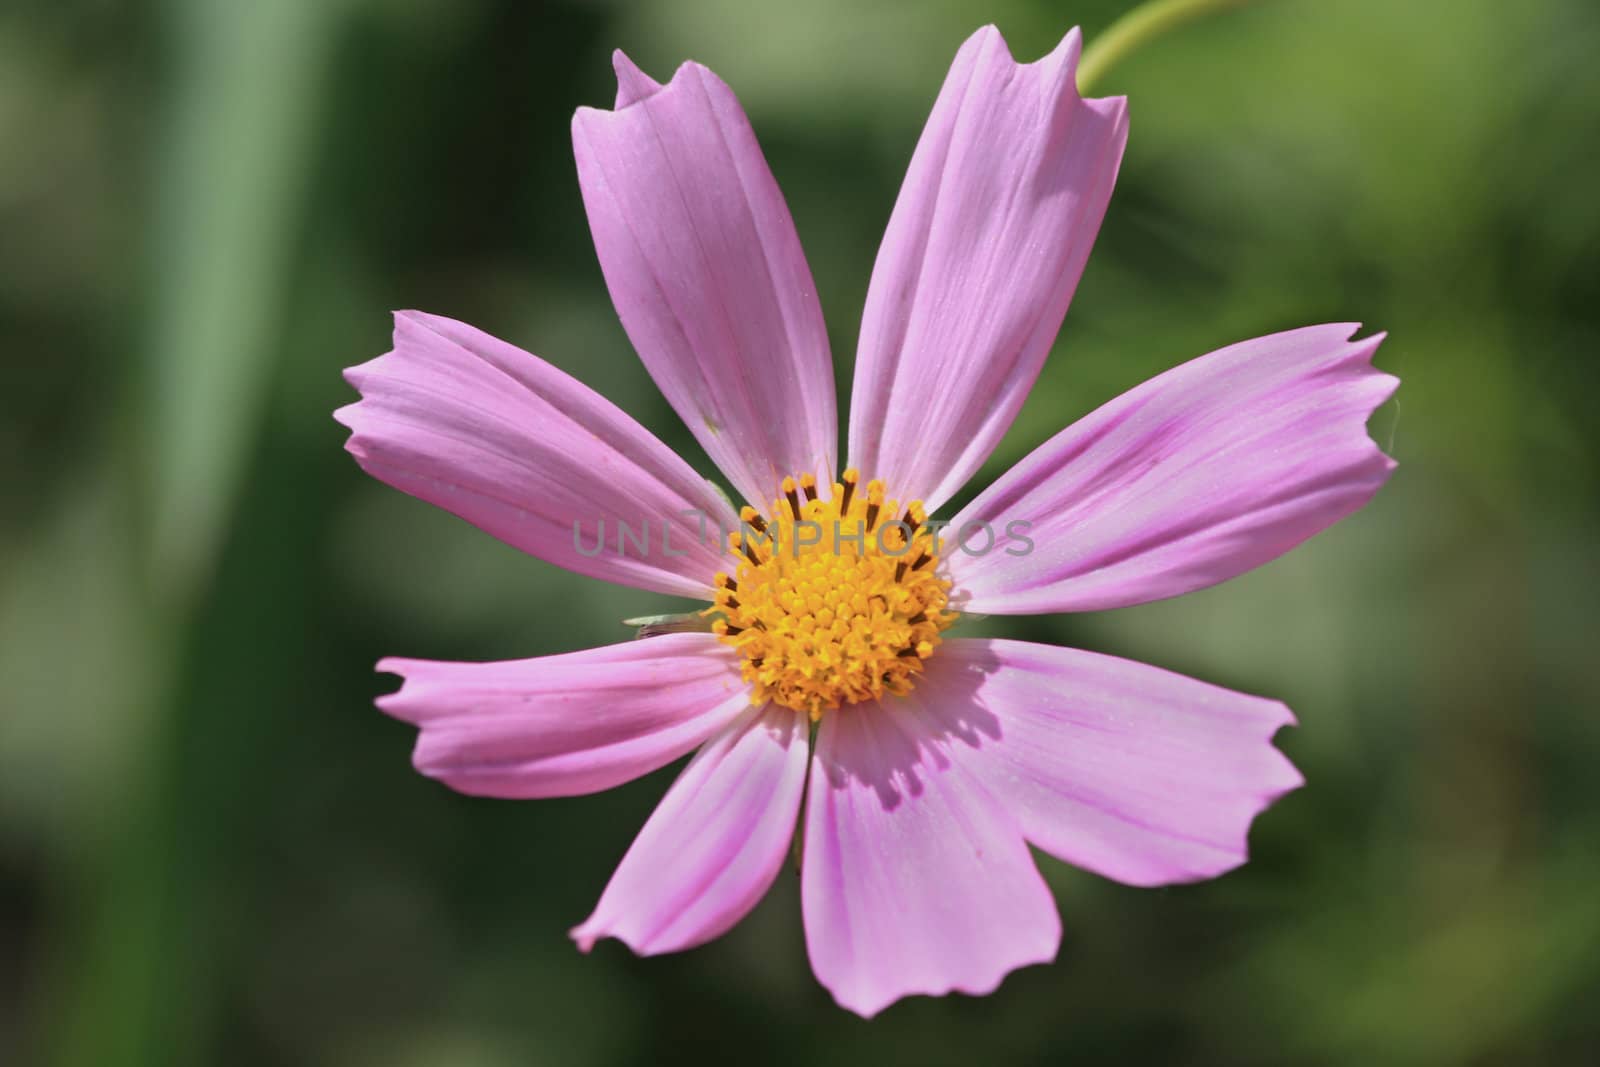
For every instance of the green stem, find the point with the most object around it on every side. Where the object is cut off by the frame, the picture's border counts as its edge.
(1139, 27)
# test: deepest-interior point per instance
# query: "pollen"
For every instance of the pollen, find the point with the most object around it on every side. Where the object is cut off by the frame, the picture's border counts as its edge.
(833, 601)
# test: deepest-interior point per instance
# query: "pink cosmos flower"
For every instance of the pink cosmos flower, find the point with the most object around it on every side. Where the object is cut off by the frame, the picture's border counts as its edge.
(936, 761)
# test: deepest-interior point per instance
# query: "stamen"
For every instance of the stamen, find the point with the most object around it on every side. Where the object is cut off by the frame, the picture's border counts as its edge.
(808, 485)
(793, 497)
(849, 479)
(752, 518)
(874, 502)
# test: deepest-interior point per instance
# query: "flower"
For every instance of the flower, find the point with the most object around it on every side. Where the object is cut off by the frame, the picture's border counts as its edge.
(936, 760)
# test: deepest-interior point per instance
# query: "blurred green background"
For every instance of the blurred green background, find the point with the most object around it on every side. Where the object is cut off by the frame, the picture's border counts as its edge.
(213, 848)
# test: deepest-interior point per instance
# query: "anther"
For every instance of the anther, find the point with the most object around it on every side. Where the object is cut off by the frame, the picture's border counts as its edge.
(793, 496)
(808, 485)
(874, 501)
(752, 518)
(848, 478)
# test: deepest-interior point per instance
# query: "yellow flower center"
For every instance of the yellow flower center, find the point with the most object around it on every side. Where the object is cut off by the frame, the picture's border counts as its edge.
(834, 601)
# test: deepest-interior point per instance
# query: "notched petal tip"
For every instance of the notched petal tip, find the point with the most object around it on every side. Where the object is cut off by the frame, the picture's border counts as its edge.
(345, 416)
(871, 1006)
(983, 35)
(392, 703)
(357, 376)
(589, 933)
(633, 84)
(1066, 53)
(1293, 778)
(1282, 779)
(1379, 384)
(1288, 779)
(976, 986)
(392, 665)
(583, 937)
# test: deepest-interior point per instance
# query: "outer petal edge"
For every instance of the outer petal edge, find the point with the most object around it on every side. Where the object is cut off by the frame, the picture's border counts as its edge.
(1199, 474)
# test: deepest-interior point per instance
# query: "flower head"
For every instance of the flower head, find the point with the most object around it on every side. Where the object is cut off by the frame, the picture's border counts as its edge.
(835, 601)
(936, 759)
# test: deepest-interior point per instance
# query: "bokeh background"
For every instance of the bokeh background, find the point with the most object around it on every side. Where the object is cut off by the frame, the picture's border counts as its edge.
(212, 847)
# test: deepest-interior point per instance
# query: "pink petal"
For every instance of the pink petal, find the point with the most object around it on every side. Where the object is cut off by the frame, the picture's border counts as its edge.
(1133, 772)
(1195, 476)
(914, 880)
(707, 274)
(994, 223)
(633, 84)
(712, 848)
(558, 726)
(522, 451)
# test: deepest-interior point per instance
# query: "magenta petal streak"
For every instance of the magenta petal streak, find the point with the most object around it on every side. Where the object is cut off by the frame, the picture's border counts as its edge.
(993, 226)
(707, 274)
(714, 844)
(524, 452)
(564, 725)
(1198, 475)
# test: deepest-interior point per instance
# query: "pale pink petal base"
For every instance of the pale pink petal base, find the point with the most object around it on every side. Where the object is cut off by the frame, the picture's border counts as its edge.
(707, 274)
(914, 879)
(993, 226)
(715, 843)
(570, 724)
(1136, 773)
(532, 456)
(1198, 475)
